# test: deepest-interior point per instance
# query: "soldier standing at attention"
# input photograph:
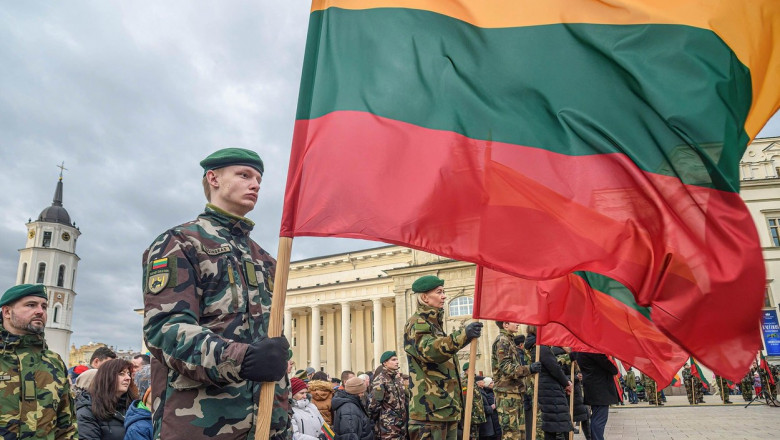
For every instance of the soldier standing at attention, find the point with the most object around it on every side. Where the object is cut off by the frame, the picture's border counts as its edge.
(723, 389)
(689, 383)
(650, 390)
(389, 408)
(436, 404)
(35, 400)
(509, 373)
(207, 302)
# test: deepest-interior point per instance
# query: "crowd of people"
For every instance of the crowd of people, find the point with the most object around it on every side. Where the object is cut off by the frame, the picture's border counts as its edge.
(207, 301)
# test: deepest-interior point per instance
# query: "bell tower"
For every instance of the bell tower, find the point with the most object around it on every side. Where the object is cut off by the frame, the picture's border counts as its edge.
(49, 258)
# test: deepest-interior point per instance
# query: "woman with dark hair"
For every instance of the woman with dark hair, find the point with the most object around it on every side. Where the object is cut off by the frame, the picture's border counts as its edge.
(101, 409)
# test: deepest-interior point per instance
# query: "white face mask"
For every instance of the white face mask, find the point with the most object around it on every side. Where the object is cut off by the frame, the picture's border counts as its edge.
(303, 403)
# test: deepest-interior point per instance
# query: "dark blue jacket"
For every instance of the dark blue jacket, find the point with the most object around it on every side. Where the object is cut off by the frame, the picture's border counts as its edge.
(350, 421)
(138, 423)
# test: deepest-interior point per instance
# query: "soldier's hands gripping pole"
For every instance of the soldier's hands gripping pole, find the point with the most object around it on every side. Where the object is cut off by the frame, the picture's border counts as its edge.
(265, 406)
(473, 331)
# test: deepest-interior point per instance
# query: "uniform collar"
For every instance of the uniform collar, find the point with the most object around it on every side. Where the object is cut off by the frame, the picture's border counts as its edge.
(238, 225)
(506, 333)
(10, 340)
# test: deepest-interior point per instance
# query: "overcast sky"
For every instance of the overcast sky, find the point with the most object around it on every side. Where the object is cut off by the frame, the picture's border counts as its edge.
(131, 96)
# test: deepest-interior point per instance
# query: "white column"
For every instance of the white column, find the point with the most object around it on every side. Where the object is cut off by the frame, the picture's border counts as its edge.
(345, 339)
(315, 337)
(288, 325)
(378, 338)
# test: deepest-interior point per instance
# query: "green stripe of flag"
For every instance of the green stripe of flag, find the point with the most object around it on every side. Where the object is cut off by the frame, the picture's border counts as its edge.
(589, 89)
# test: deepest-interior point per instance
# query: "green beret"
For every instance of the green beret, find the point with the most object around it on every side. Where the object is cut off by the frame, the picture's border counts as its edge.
(22, 290)
(465, 366)
(426, 284)
(385, 356)
(232, 156)
(289, 354)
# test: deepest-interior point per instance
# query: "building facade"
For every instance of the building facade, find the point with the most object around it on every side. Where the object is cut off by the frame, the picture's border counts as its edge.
(343, 311)
(760, 189)
(49, 258)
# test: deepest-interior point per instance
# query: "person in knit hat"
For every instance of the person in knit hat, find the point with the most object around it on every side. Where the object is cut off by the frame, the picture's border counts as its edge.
(306, 421)
(350, 420)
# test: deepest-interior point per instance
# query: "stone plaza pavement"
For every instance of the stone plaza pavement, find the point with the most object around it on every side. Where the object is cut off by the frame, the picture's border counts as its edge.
(678, 420)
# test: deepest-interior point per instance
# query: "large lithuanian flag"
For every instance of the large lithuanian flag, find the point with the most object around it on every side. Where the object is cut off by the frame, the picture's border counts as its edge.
(541, 138)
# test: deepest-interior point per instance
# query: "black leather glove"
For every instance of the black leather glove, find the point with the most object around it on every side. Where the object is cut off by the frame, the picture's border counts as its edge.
(265, 360)
(473, 331)
(535, 367)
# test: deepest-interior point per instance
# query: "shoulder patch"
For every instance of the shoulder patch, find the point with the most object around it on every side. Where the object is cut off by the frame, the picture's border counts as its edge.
(421, 326)
(161, 273)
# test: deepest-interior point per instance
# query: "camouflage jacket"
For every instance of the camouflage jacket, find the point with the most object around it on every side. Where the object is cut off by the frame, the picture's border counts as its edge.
(207, 295)
(35, 399)
(433, 366)
(507, 363)
(389, 408)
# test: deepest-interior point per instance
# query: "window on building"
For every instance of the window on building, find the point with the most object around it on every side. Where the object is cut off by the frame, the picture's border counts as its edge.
(460, 306)
(774, 234)
(295, 322)
(61, 276)
(41, 273)
(47, 239)
(56, 317)
(295, 341)
(322, 340)
(72, 278)
(322, 320)
(24, 273)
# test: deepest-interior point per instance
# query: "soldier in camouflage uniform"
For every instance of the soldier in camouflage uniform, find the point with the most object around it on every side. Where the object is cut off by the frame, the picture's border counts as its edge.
(35, 399)
(389, 407)
(510, 371)
(650, 390)
(746, 386)
(207, 300)
(478, 415)
(723, 389)
(688, 382)
(436, 404)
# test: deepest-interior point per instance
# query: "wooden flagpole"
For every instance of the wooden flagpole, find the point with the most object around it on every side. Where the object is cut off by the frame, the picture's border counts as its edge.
(265, 405)
(536, 387)
(470, 389)
(571, 399)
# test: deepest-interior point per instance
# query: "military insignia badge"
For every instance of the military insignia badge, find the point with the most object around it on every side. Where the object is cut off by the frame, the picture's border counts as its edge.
(156, 283)
(161, 273)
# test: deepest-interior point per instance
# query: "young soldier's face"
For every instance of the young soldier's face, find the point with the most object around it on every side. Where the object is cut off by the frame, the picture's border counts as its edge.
(392, 363)
(511, 326)
(26, 316)
(236, 189)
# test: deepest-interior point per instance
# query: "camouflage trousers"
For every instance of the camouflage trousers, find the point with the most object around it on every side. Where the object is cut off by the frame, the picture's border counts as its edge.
(650, 393)
(747, 392)
(511, 416)
(433, 430)
(529, 425)
(689, 394)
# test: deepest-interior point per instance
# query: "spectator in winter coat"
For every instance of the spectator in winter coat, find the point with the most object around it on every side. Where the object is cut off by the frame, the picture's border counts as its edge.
(599, 385)
(322, 396)
(101, 410)
(307, 420)
(491, 396)
(138, 420)
(350, 421)
(487, 431)
(553, 387)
